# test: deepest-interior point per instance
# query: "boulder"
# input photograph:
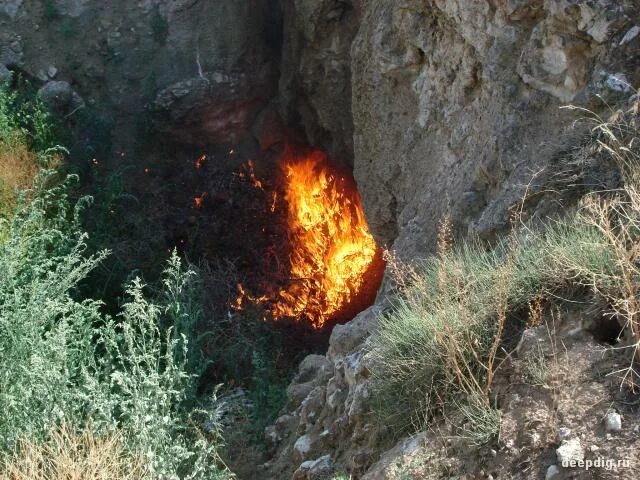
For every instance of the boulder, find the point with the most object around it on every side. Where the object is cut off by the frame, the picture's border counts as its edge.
(60, 97)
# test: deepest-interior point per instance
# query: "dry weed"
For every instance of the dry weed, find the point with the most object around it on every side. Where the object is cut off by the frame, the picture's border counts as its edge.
(73, 456)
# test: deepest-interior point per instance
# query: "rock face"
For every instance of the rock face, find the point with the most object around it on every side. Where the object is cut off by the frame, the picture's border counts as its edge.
(455, 108)
(329, 405)
(315, 83)
(452, 100)
(455, 99)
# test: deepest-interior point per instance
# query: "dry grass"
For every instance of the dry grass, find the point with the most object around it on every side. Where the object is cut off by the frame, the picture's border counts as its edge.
(616, 217)
(73, 456)
(18, 167)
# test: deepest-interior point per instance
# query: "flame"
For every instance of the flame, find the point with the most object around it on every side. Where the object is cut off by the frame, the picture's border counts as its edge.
(332, 247)
(248, 173)
(199, 199)
(200, 161)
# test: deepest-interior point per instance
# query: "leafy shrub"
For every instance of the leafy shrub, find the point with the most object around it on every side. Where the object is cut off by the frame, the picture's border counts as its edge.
(71, 375)
(62, 360)
(23, 114)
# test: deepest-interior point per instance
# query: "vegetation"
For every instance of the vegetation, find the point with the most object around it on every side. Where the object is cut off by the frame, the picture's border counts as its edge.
(438, 349)
(50, 11)
(73, 455)
(122, 387)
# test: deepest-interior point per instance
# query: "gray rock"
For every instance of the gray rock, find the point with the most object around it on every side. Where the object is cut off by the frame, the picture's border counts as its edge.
(10, 7)
(315, 85)
(60, 97)
(5, 74)
(613, 422)
(618, 82)
(570, 450)
(320, 469)
(553, 473)
(304, 447)
(630, 35)
(564, 433)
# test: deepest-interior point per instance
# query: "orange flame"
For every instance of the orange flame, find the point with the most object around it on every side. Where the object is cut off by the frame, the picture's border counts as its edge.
(330, 238)
(199, 199)
(331, 247)
(249, 174)
(200, 161)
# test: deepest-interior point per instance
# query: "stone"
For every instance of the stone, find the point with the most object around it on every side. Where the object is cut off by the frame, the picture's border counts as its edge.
(60, 96)
(302, 448)
(564, 433)
(52, 71)
(345, 338)
(72, 8)
(320, 469)
(5, 74)
(630, 35)
(618, 82)
(570, 450)
(553, 473)
(311, 367)
(10, 7)
(315, 84)
(613, 422)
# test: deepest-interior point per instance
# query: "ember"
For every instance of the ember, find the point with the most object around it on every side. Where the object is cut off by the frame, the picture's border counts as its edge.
(199, 199)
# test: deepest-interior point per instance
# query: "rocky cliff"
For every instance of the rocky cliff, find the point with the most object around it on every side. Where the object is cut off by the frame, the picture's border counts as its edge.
(456, 111)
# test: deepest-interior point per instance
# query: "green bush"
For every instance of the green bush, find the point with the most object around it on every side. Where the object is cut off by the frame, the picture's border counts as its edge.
(62, 360)
(24, 114)
(437, 347)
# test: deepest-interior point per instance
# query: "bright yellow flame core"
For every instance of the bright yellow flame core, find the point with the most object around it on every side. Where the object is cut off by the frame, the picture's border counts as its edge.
(332, 247)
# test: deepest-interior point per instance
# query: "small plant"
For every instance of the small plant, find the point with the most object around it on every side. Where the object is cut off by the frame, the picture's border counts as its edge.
(536, 368)
(73, 455)
(481, 424)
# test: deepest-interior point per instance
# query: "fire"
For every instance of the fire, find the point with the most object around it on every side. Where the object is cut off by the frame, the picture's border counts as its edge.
(197, 201)
(331, 250)
(330, 238)
(200, 161)
(248, 173)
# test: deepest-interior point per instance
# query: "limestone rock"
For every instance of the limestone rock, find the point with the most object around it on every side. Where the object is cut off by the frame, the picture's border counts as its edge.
(315, 85)
(319, 469)
(553, 472)
(72, 8)
(10, 7)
